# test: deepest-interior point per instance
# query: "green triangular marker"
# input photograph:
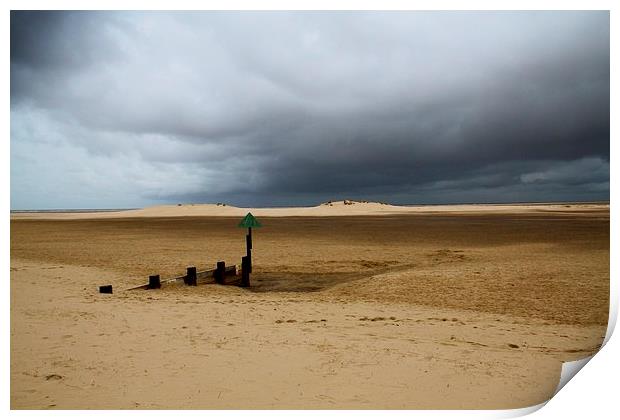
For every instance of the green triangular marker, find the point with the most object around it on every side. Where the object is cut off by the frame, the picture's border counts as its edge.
(249, 221)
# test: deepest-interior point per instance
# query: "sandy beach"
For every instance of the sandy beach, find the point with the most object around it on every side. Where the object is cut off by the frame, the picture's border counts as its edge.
(361, 305)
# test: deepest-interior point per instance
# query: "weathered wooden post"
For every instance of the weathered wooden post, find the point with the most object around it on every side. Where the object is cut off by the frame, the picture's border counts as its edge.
(190, 278)
(220, 272)
(245, 272)
(248, 247)
(249, 221)
(154, 282)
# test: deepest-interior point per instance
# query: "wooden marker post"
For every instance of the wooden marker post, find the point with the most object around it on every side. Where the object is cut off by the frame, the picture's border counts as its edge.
(249, 221)
(190, 278)
(245, 272)
(154, 282)
(220, 272)
(248, 248)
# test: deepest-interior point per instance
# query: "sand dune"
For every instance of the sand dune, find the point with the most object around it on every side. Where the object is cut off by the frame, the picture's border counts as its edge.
(332, 208)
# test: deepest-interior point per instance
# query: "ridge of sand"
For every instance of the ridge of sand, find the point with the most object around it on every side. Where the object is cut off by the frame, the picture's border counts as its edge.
(330, 208)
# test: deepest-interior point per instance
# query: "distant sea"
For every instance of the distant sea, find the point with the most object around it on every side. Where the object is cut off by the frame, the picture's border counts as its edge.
(70, 210)
(508, 203)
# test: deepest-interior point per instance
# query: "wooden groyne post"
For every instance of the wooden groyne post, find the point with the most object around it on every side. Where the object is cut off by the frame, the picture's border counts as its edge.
(154, 282)
(190, 278)
(220, 272)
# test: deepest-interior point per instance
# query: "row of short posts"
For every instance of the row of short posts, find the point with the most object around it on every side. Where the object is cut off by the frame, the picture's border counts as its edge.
(191, 278)
(219, 274)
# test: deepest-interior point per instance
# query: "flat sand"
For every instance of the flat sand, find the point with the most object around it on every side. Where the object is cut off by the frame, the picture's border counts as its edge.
(426, 307)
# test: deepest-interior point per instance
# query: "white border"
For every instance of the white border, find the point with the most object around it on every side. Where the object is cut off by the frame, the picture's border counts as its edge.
(593, 393)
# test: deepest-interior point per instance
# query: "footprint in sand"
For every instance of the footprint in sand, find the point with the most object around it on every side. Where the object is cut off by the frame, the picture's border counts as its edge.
(377, 318)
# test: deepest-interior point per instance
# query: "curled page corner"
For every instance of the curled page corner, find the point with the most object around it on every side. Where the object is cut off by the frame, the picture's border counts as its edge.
(520, 412)
(570, 369)
(611, 323)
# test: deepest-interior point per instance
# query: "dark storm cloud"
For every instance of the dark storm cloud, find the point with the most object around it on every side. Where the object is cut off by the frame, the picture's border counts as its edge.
(274, 107)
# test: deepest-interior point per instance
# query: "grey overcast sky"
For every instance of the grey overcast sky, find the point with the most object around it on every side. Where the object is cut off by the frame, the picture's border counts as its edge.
(128, 109)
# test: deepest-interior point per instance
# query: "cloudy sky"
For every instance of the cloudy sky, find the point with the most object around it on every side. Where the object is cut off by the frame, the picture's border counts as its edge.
(128, 109)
